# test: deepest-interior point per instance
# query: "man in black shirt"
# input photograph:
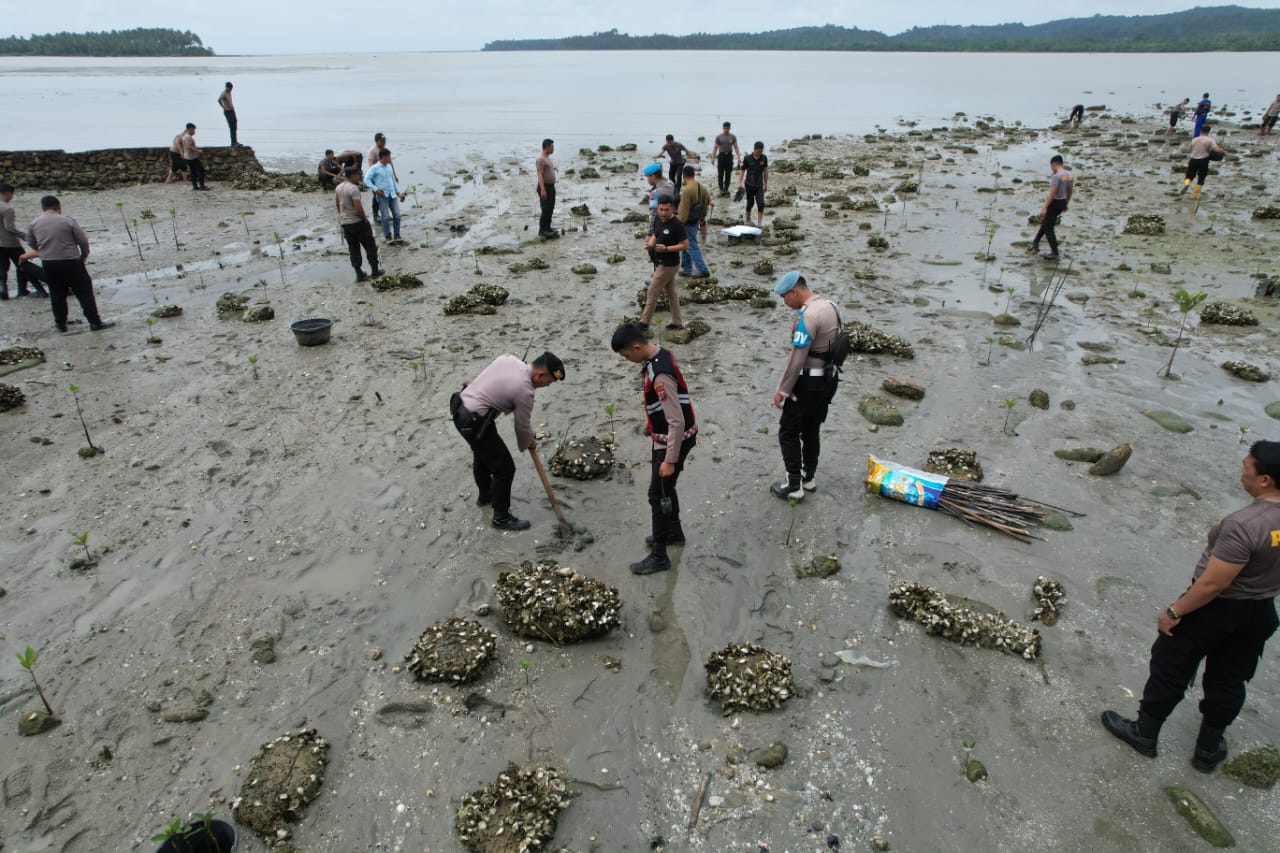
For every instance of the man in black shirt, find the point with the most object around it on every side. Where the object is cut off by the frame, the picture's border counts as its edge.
(328, 171)
(665, 244)
(755, 175)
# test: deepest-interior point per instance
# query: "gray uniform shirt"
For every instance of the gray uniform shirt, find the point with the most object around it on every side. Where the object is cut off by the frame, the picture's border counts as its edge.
(815, 334)
(9, 233)
(57, 237)
(1248, 536)
(504, 386)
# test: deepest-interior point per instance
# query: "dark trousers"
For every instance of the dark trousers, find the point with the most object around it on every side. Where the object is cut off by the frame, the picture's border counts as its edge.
(660, 487)
(1228, 635)
(197, 173)
(548, 205)
(675, 174)
(10, 255)
(70, 276)
(232, 124)
(491, 462)
(1198, 169)
(799, 426)
(360, 234)
(1056, 209)
(724, 171)
(755, 195)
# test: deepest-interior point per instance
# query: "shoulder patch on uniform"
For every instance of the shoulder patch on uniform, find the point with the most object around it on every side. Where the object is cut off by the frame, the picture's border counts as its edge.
(661, 388)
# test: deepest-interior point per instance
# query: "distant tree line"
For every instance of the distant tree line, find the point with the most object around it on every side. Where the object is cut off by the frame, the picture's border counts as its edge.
(1199, 29)
(136, 42)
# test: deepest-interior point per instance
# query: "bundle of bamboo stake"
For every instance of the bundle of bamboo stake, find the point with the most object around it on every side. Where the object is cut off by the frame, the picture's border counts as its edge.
(972, 503)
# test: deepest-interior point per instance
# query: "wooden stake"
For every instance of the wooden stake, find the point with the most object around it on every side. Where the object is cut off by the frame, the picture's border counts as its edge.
(697, 804)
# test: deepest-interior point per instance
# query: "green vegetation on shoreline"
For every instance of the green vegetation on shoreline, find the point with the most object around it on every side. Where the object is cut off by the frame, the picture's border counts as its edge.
(1228, 28)
(135, 42)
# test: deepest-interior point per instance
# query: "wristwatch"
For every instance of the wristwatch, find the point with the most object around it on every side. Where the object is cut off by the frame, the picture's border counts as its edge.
(1172, 615)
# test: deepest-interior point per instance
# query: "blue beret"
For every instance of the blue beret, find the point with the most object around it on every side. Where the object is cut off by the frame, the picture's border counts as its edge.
(652, 169)
(787, 282)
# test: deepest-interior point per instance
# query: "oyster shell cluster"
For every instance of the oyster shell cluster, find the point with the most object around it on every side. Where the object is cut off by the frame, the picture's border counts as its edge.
(692, 329)
(480, 299)
(395, 281)
(283, 778)
(963, 625)
(258, 314)
(558, 604)
(583, 459)
(517, 813)
(231, 304)
(955, 463)
(764, 266)
(535, 263)
(1143, 223)
(1246, 371)
(455, 650)
(864, 338)
(17, 355)
(705, 291)
(1050, 595)
(10, 397)
(167, 311)
(1226, 314)
(747, 677)
(1267, 211)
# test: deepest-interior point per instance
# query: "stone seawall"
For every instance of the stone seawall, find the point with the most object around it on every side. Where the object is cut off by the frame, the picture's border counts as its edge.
(46, 171)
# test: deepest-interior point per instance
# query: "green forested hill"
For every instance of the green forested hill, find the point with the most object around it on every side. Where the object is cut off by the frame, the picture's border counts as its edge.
(1198, 29)
(137, 42)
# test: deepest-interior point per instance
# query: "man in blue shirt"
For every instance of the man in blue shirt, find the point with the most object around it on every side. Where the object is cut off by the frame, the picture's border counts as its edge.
(386, 195)
(1202, 113)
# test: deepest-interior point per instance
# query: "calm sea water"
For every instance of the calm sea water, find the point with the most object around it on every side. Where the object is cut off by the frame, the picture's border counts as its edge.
(445, 110)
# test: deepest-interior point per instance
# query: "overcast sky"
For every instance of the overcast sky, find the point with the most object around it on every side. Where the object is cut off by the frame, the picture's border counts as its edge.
(327, 26)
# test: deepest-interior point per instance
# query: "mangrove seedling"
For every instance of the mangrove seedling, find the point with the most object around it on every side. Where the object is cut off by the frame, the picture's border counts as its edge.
(1009, 403)
(968, 744)
(120, 207)
(1009, 301)
(413, 191)
(991, 342)
(280, 253)
(791, 526)
(151, 338)
(75, 395)
(1244, 430)
(28, 660)
(245, 222)
(173, 215)
(205, 821)
(524, 665)
(609, 410)
(1186, 304)
(148, 215)
(253, 363)
(82, 539)
(138, 243)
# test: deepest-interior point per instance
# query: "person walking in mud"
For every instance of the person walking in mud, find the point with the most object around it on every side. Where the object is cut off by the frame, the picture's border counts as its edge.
(1175, 113)
(229, 113)
(695, 204)
(64, 250)
(658, 188)
(673, 431)
(191, 155)
(1202, 114)
(355, 223)
(754, 176)
(668, 240)
(1061, 185)
(505, 387)
(1269, 118)
(725, 152)
(678, 154)
(11, 249)
(1203, 147)
(1224, 619)
(546, 188)
(177, 165)
(808, 384)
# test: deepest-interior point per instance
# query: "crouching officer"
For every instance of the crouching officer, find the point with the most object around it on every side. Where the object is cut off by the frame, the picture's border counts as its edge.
(808, 383)
(506, 386)
(1224, 618)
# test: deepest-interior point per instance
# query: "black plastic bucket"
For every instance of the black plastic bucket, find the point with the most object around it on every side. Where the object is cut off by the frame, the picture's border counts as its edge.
(313, 332)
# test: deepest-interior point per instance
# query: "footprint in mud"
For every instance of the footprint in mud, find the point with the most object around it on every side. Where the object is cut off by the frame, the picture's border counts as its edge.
(405, 714)
(479, 597)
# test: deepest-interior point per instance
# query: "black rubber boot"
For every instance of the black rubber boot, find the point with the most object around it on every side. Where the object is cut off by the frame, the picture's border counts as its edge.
(1211, 749)
(788, 490)
(1141, 734)
(657, 561)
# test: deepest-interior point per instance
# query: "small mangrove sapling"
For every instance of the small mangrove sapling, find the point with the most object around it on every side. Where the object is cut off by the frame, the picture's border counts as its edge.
(990, 342)
(138, 243)
(173, 215)
(75, 395)
(1186, 304)
(253, 363)
(28, 660)
(609, 410)
(279, 253)
(148, 215)
(1009, 403)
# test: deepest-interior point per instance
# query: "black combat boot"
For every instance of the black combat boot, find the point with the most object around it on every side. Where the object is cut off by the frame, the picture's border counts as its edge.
(507, 521)
(657, 561)
(1211, 749)
(1141, 734)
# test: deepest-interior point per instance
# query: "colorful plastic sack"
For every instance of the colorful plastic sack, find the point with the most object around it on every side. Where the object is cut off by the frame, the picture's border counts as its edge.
(891, 480)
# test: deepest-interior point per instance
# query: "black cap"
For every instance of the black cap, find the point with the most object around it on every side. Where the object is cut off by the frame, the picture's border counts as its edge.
(550, 362)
